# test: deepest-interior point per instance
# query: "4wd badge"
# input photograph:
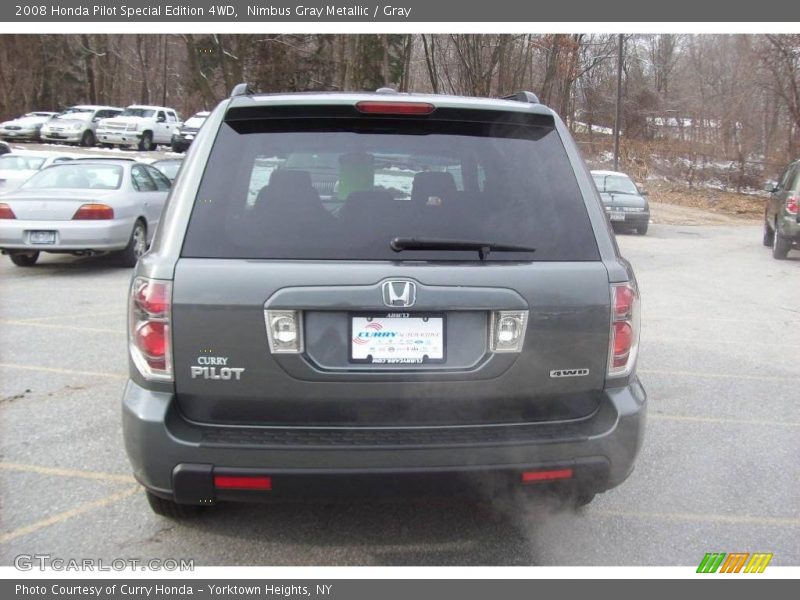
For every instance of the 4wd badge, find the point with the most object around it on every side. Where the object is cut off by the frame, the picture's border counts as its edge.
(569, 373)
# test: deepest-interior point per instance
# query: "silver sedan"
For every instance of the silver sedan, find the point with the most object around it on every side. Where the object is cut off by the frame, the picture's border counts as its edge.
(82, 208)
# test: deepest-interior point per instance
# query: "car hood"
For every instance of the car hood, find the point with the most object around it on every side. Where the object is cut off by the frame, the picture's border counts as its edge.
(630, 200)
(26, 121)
(124, 120)
(65, 121)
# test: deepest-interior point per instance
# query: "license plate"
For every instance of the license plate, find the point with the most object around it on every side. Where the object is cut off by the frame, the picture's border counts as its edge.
(43, 237)
(616, 216)
(397, 338)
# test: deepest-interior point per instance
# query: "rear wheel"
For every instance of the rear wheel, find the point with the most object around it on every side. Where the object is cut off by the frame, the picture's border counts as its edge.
(146, 143)
(24, 259)
(768, 235)
(87, 139)
(137, 246)
(642, 229)
(170, 509)
(780, 245)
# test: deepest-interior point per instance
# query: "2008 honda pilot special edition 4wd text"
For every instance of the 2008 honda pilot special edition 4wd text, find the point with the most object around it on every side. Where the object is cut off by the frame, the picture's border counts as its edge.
(378, 289)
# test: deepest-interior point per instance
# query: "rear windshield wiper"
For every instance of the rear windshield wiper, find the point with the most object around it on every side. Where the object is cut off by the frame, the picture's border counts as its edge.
(399, 244)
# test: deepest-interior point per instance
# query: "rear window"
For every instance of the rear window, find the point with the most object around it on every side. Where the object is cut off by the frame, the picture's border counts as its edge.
(76, 176)
(343, 189)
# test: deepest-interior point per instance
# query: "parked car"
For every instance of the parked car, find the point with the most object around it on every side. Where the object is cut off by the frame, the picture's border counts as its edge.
(626, 205)
(781, 216)
(169, 167)
(143, 126)
(83, 208)
(481, 328)
(17, 167)
(26, 127)
(4, 148)
(183, 137)
(77, 124)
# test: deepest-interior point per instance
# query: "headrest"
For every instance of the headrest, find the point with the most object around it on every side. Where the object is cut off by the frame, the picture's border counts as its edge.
(432, 184)
(289, 179)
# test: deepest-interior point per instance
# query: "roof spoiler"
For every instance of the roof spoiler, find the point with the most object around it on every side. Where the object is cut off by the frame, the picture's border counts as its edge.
(528, 97)
(242, 89)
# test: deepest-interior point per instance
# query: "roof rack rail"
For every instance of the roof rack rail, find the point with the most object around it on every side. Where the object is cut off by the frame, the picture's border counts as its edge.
(528, 97)
(242, 89)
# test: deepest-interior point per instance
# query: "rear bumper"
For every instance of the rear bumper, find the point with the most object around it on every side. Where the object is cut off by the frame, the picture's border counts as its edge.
(71, 236)
(789, 228)
(175, 458)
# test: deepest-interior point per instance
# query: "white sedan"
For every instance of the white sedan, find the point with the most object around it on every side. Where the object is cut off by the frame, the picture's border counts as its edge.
(26, 127)
(84, 207)
(17, 167)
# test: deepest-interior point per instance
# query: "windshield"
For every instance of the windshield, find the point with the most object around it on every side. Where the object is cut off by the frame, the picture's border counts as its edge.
(76, 113)
(74, 176)
(138, 112)
(346, 191)
(614, 184)
(11, 162)
(195, 122)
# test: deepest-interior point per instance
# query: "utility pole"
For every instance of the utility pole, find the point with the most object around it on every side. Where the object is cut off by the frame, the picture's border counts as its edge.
(618, 116)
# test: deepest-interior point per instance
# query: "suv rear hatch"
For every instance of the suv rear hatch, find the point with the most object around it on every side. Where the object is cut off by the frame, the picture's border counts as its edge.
(448, 276)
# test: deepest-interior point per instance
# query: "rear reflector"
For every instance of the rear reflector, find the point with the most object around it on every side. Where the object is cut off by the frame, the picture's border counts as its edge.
(93, 212)
(395, 108)
(6, 212)
(552, 475)
(224, 482)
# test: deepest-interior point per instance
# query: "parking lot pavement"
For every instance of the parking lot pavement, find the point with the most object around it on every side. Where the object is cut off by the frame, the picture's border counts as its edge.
(718, 470)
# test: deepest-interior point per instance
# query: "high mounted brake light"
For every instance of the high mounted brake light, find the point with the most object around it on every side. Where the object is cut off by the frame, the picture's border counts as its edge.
(375, 107)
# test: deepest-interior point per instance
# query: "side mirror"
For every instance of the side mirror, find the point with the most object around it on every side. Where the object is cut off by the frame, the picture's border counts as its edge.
(161, 119)
(771, 187)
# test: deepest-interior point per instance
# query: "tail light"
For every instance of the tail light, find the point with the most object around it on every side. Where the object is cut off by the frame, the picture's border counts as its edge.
(93, 212)
(6, 212)
(624, 338)
(791, 205)
(149, 328)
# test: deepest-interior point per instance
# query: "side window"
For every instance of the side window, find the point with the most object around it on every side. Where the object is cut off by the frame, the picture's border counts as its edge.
(794, 182)
(162, 183)
(160, 116)
(787, 177)
(171, 118)
(141, 180)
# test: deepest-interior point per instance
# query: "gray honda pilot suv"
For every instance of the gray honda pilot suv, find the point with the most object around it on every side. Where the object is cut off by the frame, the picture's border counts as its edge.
(442, 303)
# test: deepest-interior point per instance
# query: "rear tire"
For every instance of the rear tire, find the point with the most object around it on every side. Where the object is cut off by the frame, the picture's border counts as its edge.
(24, 259)
(87, 139)
(146, 143)
(780, 246)
(137, 246)
(768, 235)
(178, 148)
(170, 509)
(642, 229)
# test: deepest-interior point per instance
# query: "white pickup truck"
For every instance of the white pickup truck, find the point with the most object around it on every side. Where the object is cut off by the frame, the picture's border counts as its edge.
(142, 125)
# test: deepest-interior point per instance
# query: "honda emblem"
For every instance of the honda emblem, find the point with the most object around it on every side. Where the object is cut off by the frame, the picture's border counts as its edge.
(399, 293)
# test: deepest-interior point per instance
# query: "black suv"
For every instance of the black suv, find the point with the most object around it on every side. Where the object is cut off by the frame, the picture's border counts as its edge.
(452, 308)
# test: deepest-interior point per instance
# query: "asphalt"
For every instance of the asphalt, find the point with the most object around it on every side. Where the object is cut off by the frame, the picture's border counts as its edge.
(718, 470)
